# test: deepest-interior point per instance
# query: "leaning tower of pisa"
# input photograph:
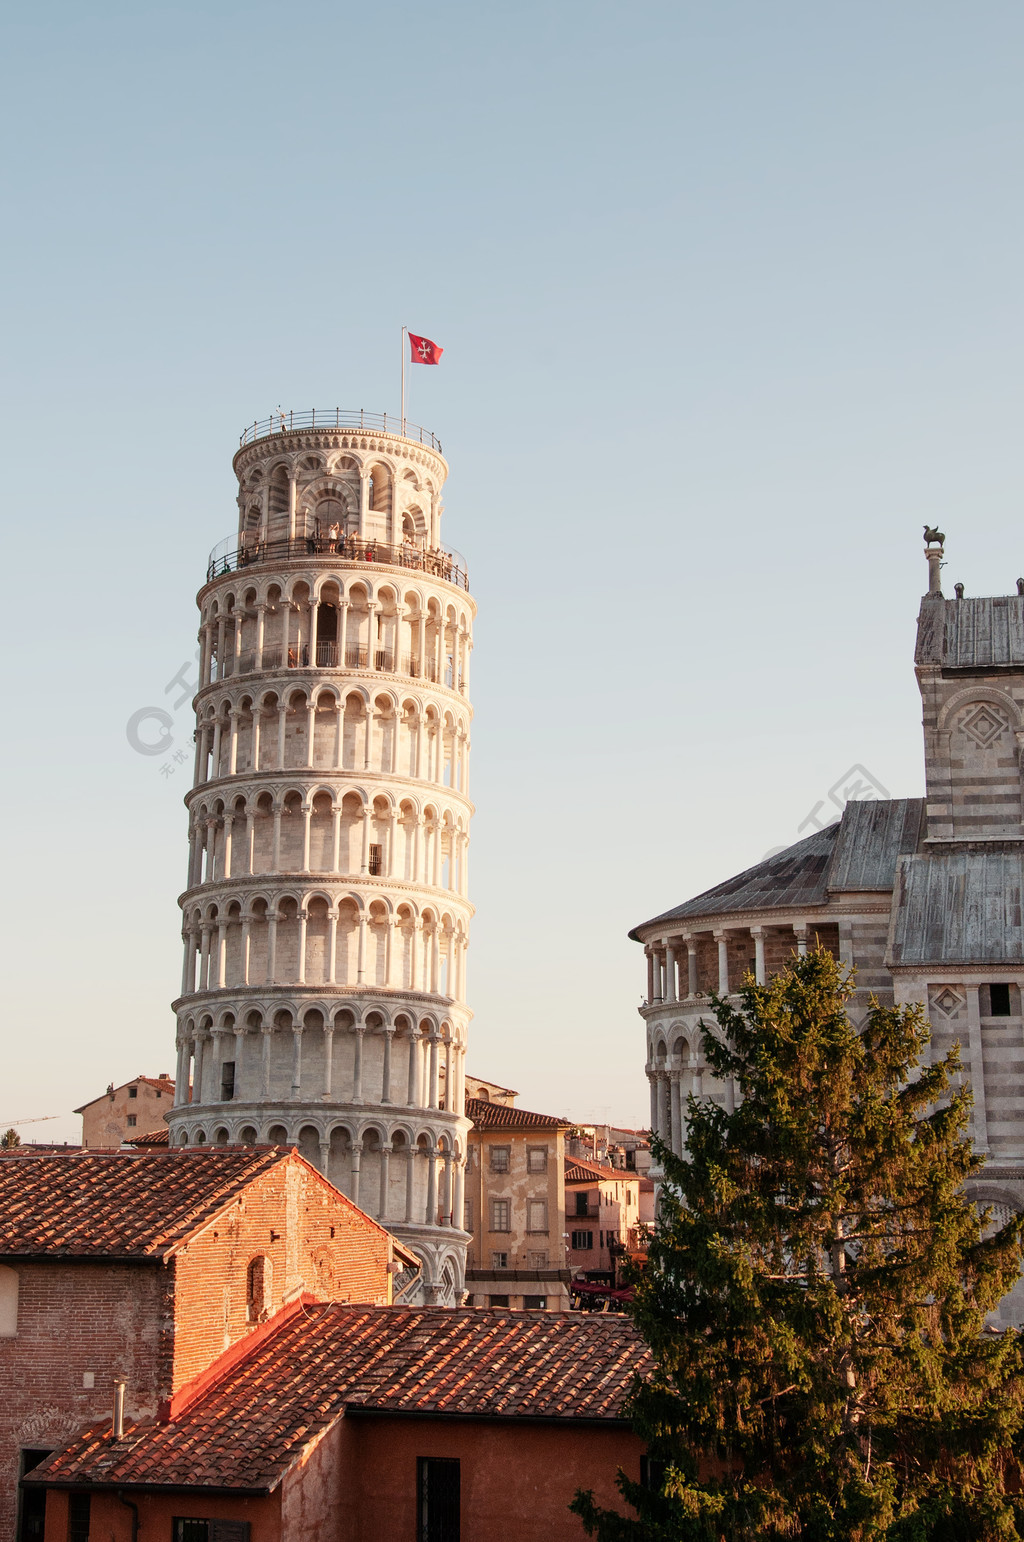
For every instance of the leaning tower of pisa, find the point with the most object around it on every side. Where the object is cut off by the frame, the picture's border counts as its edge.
(326, 915)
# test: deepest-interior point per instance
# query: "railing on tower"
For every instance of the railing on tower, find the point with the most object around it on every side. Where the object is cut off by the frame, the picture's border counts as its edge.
(340, 418)
(436, 561)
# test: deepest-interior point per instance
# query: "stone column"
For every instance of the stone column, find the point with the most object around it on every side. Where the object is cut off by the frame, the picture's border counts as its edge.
(385, 1174)
(250, 841)
(200, 1067)
(410, 1181)
(432, 1071)
(357, 1065)
(413, 1057)
(385, 1090)
(357, 1154)
(296, 1060)
(271, 947)
(282, 721)
(303, 918)
(275, 857)
(328, 1061)
(239, 1059)
(459, 1201)
(801, 929)
(691, 966)
(652, 1078)
(310, 733)
(307, 815)
(677, 1112)
(670, 972)
(361, 953)
(430, 1213)
(233, 716)
(332, 947)
(268, 1037)
(663, 1129)
(650, 974)
(722, 938)
(757, 932)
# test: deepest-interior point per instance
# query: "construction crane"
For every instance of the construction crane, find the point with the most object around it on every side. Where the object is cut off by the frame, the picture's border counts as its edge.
(12, 1124)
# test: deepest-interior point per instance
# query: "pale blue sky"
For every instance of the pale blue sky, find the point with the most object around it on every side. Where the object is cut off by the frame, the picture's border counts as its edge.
(730, 297)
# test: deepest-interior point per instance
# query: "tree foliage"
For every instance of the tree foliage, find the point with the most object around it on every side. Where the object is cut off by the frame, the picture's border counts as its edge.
(10, 1139)
(816, 1293)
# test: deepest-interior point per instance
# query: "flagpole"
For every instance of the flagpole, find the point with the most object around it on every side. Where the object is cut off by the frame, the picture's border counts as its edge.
(404, 330)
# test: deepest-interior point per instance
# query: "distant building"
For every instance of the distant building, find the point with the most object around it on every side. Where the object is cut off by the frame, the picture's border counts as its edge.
(125, 1111)
(347, 1422)
(145, 1268)
(515, 1204)
(921, 895)
(602, 1216)
(610, 1145)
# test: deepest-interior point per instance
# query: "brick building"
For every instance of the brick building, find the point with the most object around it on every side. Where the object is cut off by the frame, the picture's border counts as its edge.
(348, 1423)
(125, 1111)
(515, 1204)
(146, 1268)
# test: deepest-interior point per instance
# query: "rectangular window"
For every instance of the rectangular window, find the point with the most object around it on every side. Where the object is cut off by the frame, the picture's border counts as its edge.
(227, 1081)
(187, 1529)
(631, 1160)
(438, 1501)
(501, 1215)
(499, 1260)
(538, 1260)
(501, 1159)
(131, 1121)
(376, 860)
(537, 1215)
(582, 1202)
(78, 1517)
(536, 1159)
(467, 1215)
(582, 1241)
(535, 1303)
(133, 1092)
(497, 1300)
(998, 1003)
(31, 1501)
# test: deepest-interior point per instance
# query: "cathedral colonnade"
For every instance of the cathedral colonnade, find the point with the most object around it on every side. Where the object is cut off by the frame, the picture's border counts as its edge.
(683, 970)
(326, 914)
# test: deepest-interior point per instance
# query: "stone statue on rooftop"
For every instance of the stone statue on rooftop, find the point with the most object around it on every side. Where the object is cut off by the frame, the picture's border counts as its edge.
(931, 534)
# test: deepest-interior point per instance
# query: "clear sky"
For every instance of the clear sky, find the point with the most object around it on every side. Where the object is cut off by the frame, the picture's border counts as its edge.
(730, 297)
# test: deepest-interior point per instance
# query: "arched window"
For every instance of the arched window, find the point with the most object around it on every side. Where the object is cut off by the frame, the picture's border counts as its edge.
(8, 1303)
(258, 1289)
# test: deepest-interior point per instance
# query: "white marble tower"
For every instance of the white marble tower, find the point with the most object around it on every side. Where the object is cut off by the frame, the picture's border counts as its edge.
(326, 916)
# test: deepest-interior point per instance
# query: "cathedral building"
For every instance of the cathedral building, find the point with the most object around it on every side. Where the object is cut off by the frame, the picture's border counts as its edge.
(922, 896)
(326, 913)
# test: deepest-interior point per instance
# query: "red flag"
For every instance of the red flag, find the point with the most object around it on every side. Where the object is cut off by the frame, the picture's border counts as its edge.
(423, 350)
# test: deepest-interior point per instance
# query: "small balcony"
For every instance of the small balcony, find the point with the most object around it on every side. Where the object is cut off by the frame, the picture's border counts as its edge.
(229, 556)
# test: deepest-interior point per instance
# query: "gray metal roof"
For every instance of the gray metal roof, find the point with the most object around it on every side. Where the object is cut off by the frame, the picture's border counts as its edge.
(958, 908)
(858, 852)
(793, 877)
(971, 634)
(872, 835)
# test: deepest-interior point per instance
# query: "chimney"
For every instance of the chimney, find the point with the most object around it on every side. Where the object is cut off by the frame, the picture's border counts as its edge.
(117, 1424)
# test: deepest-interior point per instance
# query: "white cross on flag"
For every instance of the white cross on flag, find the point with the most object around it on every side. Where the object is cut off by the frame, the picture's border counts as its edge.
(423, 350)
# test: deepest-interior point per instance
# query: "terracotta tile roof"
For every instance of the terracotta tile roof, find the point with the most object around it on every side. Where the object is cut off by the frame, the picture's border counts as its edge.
(578, 1171)
(247, 1430)
(151, 1138)
(499, 1116)
(161, 1083)
(122, 1204)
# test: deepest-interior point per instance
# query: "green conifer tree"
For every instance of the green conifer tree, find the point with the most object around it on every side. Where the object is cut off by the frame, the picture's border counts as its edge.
(816, 1292)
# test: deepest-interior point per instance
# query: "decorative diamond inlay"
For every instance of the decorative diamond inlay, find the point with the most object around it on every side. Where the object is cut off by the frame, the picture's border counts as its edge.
(983, 724)
(948, 1001)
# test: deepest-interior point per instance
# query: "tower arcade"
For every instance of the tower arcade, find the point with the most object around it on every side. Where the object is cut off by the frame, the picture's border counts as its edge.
(326, 914)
